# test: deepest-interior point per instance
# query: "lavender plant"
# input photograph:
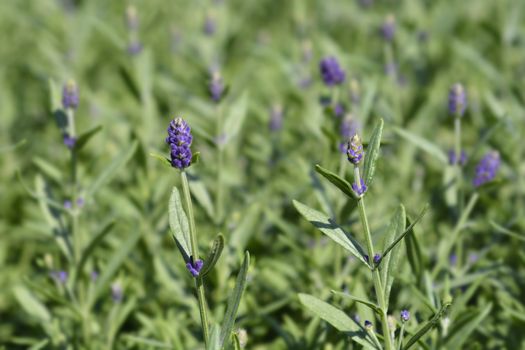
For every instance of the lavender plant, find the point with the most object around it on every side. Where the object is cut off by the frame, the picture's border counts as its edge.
(185, 235)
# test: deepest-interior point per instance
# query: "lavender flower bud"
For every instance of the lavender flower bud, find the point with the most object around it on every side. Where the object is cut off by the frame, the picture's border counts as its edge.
(452, 159)
(405, 315)
(134, 48)
(359, 191)
(276, 117)
(331, 72)
(355, 91)
(388, 28)
(355, 150)
(70, 97)
(59, 276)
(377, 256)
(216, 86)
(116, 292)
(210, 26)
(80, 202)
(486, 169)
(179, 139)
(339, 110)
(69, 141)
(457, 100)
(195, 268)
(67, 204)
(368, 325)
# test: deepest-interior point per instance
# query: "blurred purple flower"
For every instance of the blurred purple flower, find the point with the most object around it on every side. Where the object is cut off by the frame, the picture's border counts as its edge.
(331, 72)
(452, 158)
(388, 28)
(59, 276)
(276, 117)
(487, 168)
(70, 96)
(68, 204)
(216, 86)
(116, 292)
(210, 26)
(457, 100)
(134, 48)
(195, 268)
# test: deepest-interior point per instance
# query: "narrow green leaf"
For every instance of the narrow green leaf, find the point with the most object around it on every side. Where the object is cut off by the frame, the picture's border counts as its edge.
(337, 318)
(389, 261)
(427, 326)
(48, 169)
(108, 173)
(332, 230)
(11, 148)
(339, 182)
(414, 254)
(201, 194)
(95, 241)
(31, 304)
(195, 158)
(422, 143)
(235, 118)
(506, 231)
(86, 136)
(234, 301)
(121, 253)
(464, 326)
(213, 255)
(180, 228)
(165, 161)
(407, 231)
(370, 304)
(372, 153)
(214, 343)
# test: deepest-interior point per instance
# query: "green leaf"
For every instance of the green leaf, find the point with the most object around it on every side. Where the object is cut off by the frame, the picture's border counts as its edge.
(337, 318)
(31, 304)
(195, 158)
(213, 255)
(86, 136)
(427, 326)
(165, 161)
(48, 169)
(372, 153)
(201, 194)
(339, 182)
(390, 261)
(99, 237)
(370, 304)
(414, 254)
(214, 343)
(235, 118)
(110, 171)
(463, 327)
(121, 253)
(407, 231)
(332, 230)
(11, 148)
(424, 144)
(180, 228)
(234, 301)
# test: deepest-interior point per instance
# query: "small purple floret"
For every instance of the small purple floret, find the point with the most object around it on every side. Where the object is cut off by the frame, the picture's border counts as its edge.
(276, 118)
(331, 72)
(486, 169)
(70, 96)
(377, 256)
(68, 204)
(339, 110)
(134, 48)
(354, 151)
(59, 276)
(405, 315)
(452, 159)
(359, 190)
(195, 268)
(457, 100)
(179, 139)
(388, 28)
(368, 324)
(116, 292)
(216, 86)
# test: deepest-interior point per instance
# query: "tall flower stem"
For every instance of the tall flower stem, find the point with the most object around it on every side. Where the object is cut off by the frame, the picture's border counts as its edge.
(199, 283)
(220, 158)
(380, 295)
(74, 185)
(457, 167)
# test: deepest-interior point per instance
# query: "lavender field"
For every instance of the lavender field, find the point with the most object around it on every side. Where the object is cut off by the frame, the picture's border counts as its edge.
(229, 174)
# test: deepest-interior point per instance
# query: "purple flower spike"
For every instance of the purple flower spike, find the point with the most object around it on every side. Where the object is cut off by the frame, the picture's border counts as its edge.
(331, 72)
(360, 190)
(452, 159)
(457, 100)
(216, 86)
(70, 97)
(405, 315)
(179, 138)
(486, 169)
(388, 28)
(195, 268)
(67, 204)
(355, 150)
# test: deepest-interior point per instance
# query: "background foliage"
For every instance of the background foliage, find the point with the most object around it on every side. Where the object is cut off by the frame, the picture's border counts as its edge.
(259, 48)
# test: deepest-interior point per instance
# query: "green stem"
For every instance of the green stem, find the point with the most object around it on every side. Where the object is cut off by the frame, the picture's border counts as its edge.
(380, 295)
(401, 334)
(199, 283)
(74, 195)
(457, 167)
(220, 158)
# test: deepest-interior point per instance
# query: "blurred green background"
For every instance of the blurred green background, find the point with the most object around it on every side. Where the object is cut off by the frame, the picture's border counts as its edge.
(266, 51)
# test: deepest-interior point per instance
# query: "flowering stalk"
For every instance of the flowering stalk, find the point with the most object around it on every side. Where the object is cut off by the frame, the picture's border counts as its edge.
(355, 156)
